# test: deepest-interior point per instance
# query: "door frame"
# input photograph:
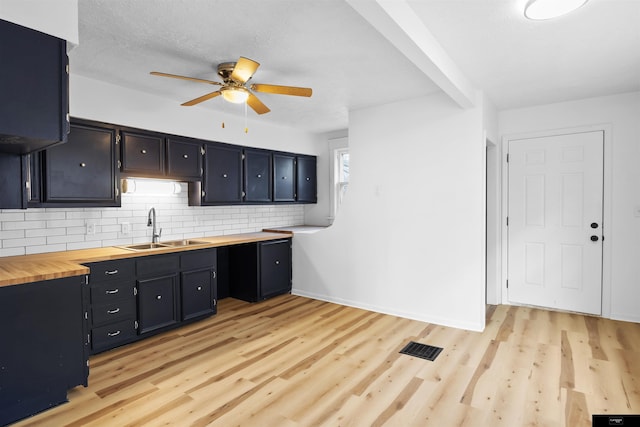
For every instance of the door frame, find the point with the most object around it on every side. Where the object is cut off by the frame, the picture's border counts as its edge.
(607, 206)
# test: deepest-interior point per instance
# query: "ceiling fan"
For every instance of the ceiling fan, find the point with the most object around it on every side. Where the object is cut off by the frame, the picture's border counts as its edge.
(235, 76)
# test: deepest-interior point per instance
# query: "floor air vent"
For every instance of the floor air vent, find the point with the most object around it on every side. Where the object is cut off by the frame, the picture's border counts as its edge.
(422, 351)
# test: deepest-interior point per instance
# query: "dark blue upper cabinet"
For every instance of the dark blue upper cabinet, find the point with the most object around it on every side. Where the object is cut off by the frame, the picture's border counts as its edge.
(34, 84)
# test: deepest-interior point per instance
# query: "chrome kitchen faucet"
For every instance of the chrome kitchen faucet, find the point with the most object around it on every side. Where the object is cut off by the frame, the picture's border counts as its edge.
(151, 221)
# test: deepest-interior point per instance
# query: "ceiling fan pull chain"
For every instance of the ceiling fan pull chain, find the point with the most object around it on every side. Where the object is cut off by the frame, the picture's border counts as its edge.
(246, 127)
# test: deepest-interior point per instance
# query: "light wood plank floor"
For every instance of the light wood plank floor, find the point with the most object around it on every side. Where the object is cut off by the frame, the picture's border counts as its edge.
(293, 361)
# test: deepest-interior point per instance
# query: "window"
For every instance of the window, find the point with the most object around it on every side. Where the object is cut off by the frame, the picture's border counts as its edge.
(339, 172)
(342, 163)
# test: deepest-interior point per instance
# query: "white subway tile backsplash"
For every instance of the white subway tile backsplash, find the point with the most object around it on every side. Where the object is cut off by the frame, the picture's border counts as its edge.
(58, 229)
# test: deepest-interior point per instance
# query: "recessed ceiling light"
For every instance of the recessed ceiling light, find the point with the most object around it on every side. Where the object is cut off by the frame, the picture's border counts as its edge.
(547, 9)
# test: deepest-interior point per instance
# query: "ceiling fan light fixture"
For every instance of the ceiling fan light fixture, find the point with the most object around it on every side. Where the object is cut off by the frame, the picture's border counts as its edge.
(235, 95)
(547, 9)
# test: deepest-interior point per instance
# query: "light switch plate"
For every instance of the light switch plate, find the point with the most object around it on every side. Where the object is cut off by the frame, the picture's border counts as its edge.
(126, 228)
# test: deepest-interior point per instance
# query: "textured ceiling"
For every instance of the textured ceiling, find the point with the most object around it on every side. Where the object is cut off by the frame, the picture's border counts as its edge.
(593, 51)
(324, 45)
(328, 46)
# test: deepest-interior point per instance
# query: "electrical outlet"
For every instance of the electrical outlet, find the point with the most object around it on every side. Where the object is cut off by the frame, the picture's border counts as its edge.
(126, 228)
(91, 228)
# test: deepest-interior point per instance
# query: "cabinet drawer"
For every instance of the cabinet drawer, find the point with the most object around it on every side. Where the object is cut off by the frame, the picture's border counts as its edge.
(193, 260)
(157, 265)
(113, 311)
(111, 270)
(112, 291)
(110, 336)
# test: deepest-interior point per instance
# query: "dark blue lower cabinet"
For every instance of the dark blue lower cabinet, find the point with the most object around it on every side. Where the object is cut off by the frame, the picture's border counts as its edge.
(43, 345)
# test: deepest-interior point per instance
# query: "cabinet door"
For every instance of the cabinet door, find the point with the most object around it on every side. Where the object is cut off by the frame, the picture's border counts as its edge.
(13, 193)
(84, 169)
(222, 174)
(157, 303)
(257, 176)
(34, 86)
(284, 178)
(184, 159)
(275, 268)
(197, 293)
(306, 190)
(42, 352)
(142, 153)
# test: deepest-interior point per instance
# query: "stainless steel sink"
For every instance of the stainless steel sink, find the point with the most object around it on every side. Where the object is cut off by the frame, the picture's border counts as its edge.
(144, 246)
(185, 242)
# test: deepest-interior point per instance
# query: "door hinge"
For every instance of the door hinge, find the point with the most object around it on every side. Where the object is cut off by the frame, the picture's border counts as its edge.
(507, 283)
(86, 315)
(119, 164)
(135, 324)
(135, 291)
(215, 302)
(507, 157)
(118, 138)
(202, 150)
(507, 221)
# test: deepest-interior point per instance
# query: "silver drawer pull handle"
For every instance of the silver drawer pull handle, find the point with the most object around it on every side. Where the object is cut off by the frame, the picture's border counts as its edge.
(114, 311)
(111, 291)
(199, 288)
(113, 334)
(143, 151)
(185, 156)
(159, 297)
(112, 272)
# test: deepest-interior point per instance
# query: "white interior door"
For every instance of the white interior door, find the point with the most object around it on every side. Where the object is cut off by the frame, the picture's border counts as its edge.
(555, 221)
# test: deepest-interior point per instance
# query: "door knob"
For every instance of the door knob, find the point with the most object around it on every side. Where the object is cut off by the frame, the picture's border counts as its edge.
(594, 238)
(594, 225)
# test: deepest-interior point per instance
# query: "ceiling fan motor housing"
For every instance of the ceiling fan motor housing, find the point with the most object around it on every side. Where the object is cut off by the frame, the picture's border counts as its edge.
(224, 71)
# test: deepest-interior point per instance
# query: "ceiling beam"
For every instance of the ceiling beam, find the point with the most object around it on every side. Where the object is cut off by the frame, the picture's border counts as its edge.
(398, 23)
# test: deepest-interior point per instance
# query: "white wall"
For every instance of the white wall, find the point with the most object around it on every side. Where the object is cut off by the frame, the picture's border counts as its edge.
(409, 238)
(620, 115)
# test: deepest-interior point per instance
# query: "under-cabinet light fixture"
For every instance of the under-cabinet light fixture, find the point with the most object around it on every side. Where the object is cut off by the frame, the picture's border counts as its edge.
(547, 9)
(150, 186)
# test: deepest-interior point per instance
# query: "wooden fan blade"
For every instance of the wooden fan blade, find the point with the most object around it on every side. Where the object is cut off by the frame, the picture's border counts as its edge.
(193, 79)
(282, 90)
(244, 69)
(257, 105)
(201, 99)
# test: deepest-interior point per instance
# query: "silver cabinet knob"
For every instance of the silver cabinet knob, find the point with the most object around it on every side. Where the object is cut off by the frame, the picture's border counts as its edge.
(143, 151)
(259, 176)
(185, 156)
(83, 165)
(159, 297)
(224, 175)
(199, 288)
(277, 262)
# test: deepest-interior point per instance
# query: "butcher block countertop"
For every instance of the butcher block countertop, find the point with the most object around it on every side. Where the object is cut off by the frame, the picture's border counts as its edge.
(21, 269)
